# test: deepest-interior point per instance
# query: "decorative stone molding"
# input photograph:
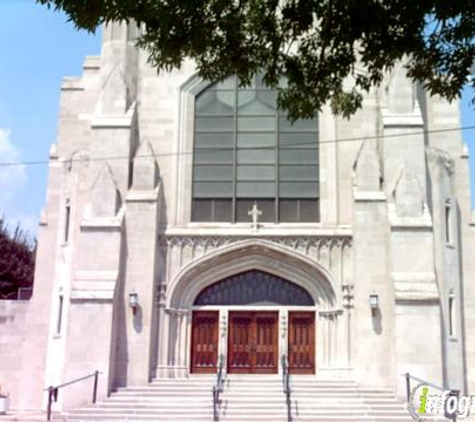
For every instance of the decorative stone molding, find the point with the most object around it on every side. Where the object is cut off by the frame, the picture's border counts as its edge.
(302, 244)
(441, 158)
(77, 157)
(348, 296)
(105, 195)
(367, 168)
(407, 208)
(319, 264)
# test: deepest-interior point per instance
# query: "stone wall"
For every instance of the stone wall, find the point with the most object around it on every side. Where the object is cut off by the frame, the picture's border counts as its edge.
(12, 335)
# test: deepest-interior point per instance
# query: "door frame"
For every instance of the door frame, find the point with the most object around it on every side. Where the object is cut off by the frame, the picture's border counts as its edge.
(223, 337)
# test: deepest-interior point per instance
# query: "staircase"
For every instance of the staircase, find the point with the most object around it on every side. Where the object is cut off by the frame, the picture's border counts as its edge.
(246, 398)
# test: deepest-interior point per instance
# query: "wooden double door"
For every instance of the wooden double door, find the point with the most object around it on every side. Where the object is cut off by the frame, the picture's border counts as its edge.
(253, 346)
(253, 342)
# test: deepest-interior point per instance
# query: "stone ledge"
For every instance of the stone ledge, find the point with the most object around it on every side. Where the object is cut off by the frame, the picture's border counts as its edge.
(72, 84)
(424, 222)
(403, 120)
(92, 62)
(369, 196)
(120, 121)
(245, 230)
(415, 286)
(142, 195)
(94, 285)
(114, 223)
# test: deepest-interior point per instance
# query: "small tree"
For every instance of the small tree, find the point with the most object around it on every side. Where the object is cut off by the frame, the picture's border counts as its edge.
(17, 260)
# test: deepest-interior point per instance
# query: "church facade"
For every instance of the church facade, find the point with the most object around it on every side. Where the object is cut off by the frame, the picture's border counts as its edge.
(189, 223)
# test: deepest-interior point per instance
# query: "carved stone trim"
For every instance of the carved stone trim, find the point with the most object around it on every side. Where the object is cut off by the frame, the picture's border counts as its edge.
(296, 243)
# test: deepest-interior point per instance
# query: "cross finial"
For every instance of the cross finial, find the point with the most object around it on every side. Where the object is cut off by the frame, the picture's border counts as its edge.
(255, 213)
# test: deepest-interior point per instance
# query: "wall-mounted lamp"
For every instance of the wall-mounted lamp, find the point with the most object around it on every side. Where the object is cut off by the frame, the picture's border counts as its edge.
(373, 302)
(134, 302)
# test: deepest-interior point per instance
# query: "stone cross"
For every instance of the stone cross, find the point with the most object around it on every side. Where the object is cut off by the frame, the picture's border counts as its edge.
(255, 213)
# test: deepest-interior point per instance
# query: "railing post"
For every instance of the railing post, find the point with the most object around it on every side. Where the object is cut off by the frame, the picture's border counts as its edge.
(50, 402)
(408, 387)
(94, 392)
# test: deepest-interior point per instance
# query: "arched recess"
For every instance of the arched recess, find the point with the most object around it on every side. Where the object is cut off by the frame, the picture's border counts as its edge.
(254, 287)
(260, 255)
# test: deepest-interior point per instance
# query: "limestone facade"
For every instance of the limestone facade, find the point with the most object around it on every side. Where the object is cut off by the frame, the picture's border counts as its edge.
(394, 221)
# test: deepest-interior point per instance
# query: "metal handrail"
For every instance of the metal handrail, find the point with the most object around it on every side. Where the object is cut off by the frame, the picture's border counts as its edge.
(286, 384)
(53, 391)
(218, 386)
(408, 376)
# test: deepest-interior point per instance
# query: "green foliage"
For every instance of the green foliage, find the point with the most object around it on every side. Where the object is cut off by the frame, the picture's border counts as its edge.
(317, 45)
(17, 260)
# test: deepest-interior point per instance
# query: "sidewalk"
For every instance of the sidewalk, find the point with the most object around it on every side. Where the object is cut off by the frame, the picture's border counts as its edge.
(23, 416)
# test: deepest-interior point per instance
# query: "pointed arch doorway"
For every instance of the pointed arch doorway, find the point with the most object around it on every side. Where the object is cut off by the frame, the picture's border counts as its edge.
(265, 317)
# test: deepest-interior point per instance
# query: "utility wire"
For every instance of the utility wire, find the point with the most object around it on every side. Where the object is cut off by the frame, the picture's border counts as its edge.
(202, 150)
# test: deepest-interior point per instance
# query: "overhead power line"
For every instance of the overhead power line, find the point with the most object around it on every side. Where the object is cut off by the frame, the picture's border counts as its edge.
(202, 150)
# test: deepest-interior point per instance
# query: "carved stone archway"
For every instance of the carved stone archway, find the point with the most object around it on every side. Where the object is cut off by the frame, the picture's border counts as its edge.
(259, 255)
(247, 255)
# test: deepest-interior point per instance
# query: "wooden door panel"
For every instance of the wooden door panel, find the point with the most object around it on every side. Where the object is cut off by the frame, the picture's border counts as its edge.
(240, 343)
(252, 342)
(302, 342)
(204, 345)
(266, 343)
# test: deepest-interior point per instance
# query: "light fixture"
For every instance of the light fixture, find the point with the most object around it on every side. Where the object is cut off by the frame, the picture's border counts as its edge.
(134, 302)
(373, 302)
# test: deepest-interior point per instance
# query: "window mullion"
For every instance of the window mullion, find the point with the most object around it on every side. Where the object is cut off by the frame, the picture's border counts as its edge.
(234, 201)
(277, 165)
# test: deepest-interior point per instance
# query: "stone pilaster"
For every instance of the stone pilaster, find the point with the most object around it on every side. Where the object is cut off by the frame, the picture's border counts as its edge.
(373, 329)
(137, 348)
(92, 322)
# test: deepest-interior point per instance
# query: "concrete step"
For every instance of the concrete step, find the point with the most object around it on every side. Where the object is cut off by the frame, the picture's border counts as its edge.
(246, 399)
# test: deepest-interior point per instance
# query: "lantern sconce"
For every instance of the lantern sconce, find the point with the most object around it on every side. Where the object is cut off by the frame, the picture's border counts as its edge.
(373, 303)
(134, 302)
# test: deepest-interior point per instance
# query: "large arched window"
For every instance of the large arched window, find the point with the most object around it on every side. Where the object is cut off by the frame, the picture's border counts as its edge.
(247, 152)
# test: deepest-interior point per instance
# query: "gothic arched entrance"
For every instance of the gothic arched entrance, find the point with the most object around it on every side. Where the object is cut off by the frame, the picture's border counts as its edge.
(258, 306)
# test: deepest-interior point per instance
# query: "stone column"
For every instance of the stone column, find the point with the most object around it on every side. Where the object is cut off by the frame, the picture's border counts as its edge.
(163, 327)
(283, 343)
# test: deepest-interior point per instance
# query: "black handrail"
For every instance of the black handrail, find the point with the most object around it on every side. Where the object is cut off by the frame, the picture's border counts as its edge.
(421, 381)
(53, 391)
(218, 387)
(286, 384)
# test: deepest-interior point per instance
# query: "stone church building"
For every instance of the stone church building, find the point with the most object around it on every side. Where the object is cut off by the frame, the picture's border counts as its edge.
(188, 221)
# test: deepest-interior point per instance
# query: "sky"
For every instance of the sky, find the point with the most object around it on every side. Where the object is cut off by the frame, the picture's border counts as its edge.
(37, 48)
